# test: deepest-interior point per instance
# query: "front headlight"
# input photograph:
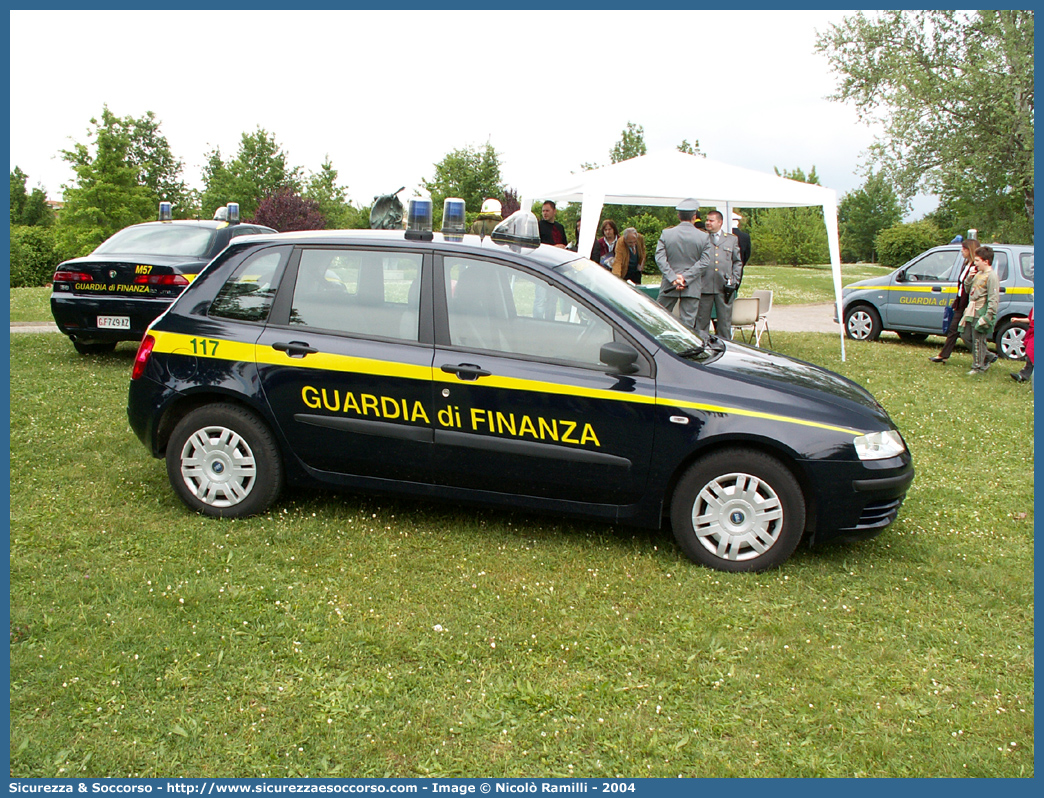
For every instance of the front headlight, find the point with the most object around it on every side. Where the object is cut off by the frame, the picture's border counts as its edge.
(879, 445)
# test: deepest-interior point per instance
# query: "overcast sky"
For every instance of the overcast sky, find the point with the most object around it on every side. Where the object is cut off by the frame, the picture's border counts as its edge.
(387, 94)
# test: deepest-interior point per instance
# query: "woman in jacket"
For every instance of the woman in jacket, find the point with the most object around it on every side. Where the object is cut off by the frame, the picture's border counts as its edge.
(960, 302)
(604, 249)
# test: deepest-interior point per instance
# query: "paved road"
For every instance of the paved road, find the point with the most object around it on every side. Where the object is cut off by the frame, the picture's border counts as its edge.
(34, 327)
(818, 317)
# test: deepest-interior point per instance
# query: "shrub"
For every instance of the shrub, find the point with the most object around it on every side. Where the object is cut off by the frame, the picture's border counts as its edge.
(34, 256)
(788, 236)
(896, 245)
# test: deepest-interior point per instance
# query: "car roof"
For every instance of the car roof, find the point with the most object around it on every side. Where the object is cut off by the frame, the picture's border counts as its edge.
(544, 254)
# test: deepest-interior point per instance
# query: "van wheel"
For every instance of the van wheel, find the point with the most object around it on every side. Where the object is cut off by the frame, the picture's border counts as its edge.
(94, 349)
(862, 323)
(1011, 340)
(223, 461)
(738, 510)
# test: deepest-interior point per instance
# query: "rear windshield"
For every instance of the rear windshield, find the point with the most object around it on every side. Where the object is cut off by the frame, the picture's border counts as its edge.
(159, 239)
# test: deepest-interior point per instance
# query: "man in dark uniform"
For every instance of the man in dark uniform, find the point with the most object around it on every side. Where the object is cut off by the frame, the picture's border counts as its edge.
(742, 236)
(551, 232)
(681, 254)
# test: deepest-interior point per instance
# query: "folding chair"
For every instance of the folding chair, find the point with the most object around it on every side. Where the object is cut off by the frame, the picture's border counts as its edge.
(761, 326)
(745, 314)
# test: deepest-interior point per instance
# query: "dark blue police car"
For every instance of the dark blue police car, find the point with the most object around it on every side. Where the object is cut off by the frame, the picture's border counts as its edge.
(502, 372)
(112, 294)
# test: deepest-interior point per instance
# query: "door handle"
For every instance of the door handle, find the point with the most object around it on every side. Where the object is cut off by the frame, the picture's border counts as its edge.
(466, 371)
(936, 288)
(294, 348)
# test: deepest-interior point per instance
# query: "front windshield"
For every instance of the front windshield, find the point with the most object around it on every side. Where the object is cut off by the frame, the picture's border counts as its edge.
(628, 301)
(159, 239)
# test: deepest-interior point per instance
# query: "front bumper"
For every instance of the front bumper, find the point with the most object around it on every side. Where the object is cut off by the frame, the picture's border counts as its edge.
(857, 500)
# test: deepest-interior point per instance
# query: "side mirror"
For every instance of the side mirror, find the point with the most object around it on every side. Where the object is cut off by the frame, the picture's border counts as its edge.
(619, 355)
(901, 276)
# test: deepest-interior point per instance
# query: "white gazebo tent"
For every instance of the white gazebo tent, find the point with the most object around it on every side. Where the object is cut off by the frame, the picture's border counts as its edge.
(666, 178)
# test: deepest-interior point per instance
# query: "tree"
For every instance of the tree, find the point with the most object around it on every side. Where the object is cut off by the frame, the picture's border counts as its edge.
(107, 193)
(30, 209)
(470, 174)
(260, 169)
(510, 202)
(953, 91)
(630, 145)
(285, 211)
(794, 236)
(865, 212)
(691, 149)
(330, 198)
(158, 169)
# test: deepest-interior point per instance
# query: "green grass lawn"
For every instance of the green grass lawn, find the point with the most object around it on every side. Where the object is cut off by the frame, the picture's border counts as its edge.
(31, 304)
(797, 285)
(341, 635)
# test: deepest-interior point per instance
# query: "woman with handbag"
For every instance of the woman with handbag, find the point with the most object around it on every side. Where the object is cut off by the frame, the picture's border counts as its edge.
(960, 302)
(604, 249)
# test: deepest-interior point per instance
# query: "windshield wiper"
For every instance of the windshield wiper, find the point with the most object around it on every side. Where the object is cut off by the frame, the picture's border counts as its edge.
(692, 352)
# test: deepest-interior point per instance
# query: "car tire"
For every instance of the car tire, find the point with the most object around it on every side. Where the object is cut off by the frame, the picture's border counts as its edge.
(738, 510)
(912, 336)
(862, 323)
(1011, 340)
(94, 349)
(223, 461)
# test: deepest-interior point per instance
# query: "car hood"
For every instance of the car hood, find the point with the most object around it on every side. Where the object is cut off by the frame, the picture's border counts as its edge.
(872, 282)
(796, 388)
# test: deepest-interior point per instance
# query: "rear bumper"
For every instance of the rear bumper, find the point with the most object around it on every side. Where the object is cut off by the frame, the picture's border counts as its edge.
(77, 316)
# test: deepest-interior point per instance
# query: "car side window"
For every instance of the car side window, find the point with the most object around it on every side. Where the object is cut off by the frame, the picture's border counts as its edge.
(932, 267)
(497, 307)
(247, 295)
(360, 292)
(1026, 265)
(1000, 263)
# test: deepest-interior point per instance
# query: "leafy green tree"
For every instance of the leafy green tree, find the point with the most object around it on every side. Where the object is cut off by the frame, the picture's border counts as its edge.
(863, 213)
(330, 198)
(260, 169)
(630, 145)
(27, 208)
(107, 193)
(158, 169)
(898, 244)
(954, 93)
(691, 149)
(471, 174)
(794, 236)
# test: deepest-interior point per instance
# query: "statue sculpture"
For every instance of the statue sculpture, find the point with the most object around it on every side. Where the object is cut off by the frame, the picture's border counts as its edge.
(386, 213)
